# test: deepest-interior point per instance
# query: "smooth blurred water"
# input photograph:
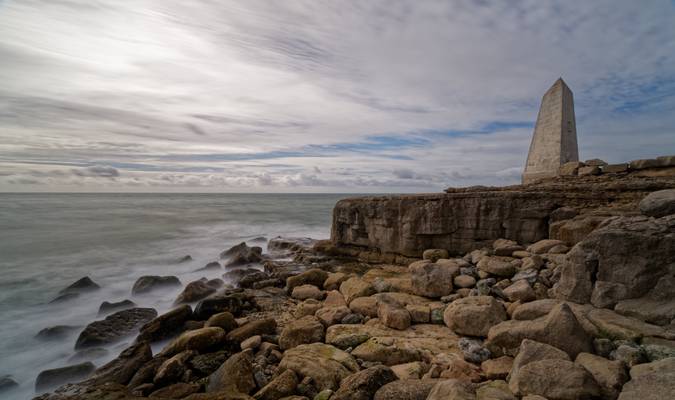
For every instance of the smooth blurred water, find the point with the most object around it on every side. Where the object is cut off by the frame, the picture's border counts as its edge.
(47, 241)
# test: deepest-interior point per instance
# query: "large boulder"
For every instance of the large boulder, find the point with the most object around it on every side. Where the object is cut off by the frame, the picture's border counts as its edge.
(500, 266)
(363, 384)
(242, 254)
(433, 279)
(301, 331)
(114, 327)
(560, 328)
(652, 381)
(166, 325)
(235, 374)
(109, 307)
(82, 285)
(148, 283)
(659, 204)
(325, 364)
(554, 379)
(626, 259)
(52, 378)
(474, 316)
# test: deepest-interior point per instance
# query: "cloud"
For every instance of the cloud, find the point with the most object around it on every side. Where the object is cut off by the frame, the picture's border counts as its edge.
(339, 96)
(97, 172)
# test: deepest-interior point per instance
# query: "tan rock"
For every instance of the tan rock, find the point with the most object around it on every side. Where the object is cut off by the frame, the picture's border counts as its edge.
(500, 266)
(325, 364)
(531, 351)
(505, 247)
(419, 314)
(393, 316)
(433, 280)
(224, 320)
(543, 246)
(312, 276)
(474, 316)
(332, 315)
(301, 331)
(251, 343)
(534, 309)
(452, 389)
(494, 390)
(304, 292)
(307, 307)
(520, 291)
(353, 288)
(461, 370)
(283, 385)
(366, 306)
(409, 389)
(411, 370)
(334, 280)
(554, 379)
(652, 381)
(497, 368)
(464, 281)
(610, 375)
(434, 254)
(560, 328)
(235, 373)
(334, 299)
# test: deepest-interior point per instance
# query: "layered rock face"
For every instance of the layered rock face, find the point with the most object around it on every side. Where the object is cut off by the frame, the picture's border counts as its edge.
(395, 228)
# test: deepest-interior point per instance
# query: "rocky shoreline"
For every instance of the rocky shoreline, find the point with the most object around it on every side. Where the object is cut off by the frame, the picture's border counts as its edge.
(593, 319)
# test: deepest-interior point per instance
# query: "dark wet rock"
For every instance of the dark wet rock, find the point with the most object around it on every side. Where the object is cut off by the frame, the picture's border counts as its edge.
(184, 259)
(148, 283)
(108, 307)
(213, 265)
(195, 291)
(52, 378)
(201, 340)
(234, 302)
(172, 370)
(242, 254)
(57, 332)
(363, 384)
(124, 367)
(312, 276)
(89, 354)
(64, 297)
(258, 327)
(114, 327)
(82, 285)
(7, 383)
(206, 364)
(166, 325)
(146, 372)
(249, 280)
(224, 320)
(235, 373)
(176, 391)
(272, 282)
(281, 245)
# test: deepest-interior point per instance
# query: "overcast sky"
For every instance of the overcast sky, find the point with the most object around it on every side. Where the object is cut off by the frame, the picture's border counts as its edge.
(339, 96)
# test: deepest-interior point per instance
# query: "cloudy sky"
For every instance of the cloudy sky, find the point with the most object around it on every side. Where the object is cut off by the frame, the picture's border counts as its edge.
(339, 96)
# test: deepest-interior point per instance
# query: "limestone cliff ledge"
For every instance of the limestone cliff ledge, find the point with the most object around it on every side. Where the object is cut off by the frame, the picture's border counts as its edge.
(395, 229)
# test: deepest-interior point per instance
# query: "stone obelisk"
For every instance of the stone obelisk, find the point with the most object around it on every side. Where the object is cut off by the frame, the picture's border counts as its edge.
(555, 135)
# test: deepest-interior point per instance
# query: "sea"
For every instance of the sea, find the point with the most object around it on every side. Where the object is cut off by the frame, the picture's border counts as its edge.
(48, 241)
